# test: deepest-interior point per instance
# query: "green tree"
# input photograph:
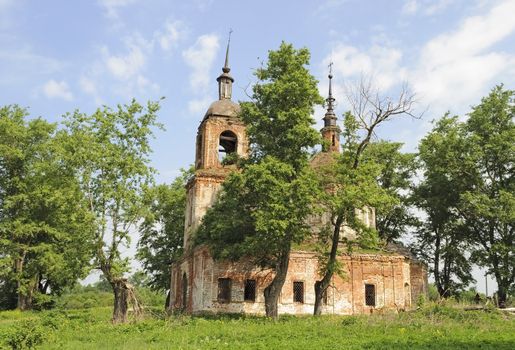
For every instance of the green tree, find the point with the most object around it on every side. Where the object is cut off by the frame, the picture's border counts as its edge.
(441, 240)
(263, 209)
(488, 204)
(110, 152)
(44, 222)
(349, 186)
(162, 230)
(396, 178)
(353, 183)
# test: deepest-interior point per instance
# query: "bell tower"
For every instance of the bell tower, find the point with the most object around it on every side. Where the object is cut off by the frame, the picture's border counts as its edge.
(330, 131)
(220, 133)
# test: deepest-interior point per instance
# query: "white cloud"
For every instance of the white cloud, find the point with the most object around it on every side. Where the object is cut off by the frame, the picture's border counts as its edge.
(451, 71)
(426, 7)
(123, 72)
(144, 84)
(330, 5)
(57, 89)
(381, 62)
(200, 57)
(125, 66)
(89, 87)
(410, 7)
(23, 65)
(111, 6)
(203, 5)
(456, 68)
(172, 34)
(200, 105)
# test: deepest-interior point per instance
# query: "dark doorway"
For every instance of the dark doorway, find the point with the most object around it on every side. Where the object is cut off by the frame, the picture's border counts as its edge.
(184, 291)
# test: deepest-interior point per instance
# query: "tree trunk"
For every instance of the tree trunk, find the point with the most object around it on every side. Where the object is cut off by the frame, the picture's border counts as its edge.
(436, 266)
(167, 301)
(273, 290)
(24, 297)
(24, 302)
(502, 288)
(121, 296)
(321, 286)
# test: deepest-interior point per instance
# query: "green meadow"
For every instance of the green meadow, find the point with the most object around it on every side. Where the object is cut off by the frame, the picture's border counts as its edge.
(431, 327)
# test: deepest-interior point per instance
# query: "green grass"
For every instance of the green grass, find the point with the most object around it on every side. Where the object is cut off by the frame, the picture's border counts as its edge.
(433, 327)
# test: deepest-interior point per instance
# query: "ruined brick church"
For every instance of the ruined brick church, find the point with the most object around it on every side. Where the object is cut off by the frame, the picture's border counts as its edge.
(390, 280)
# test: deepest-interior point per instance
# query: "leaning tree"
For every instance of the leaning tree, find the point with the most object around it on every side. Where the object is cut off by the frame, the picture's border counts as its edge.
(110, 150)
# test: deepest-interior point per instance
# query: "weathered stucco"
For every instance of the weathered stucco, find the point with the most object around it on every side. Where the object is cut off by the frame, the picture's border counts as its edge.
(390, 274)
(209, 171)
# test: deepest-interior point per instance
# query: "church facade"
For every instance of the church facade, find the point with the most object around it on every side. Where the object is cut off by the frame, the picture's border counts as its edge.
(200, 284)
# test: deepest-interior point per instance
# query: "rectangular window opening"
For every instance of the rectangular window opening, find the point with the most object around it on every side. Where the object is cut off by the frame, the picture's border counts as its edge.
(370, 295)
(224, 290)
(298, 292)
(250, 290)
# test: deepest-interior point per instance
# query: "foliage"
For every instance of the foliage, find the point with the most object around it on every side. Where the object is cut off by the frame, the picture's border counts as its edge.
(109, 151)
(44, 223)
(350, 187)
(93, 296)
(435, 326)
(278, 119)
(396, 178)
(488, 204)
(259, 211)
(28, 334)
(162, 230)
(468, 194)
(441, 240)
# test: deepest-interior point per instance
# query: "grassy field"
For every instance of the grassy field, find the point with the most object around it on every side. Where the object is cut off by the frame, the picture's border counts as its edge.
(433, 327)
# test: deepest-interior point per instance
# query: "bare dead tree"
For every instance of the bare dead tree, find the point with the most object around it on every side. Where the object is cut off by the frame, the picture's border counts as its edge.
(373, 107)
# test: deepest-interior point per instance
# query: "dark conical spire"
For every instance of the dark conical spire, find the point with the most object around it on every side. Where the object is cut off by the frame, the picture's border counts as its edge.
(226, 68)
(330, 117)
(225, 80)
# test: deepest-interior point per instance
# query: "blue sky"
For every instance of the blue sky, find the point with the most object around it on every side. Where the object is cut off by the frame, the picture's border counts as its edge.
(58, 56)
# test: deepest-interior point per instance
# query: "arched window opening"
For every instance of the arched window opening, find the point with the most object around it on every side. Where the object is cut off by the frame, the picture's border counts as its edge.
(184, 291)
(334, 140)
(227, 145)
(198, 155)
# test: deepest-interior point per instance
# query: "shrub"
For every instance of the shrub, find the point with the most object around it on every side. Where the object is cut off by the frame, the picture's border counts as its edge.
(43, 301)
(26, 335)
(432, 292)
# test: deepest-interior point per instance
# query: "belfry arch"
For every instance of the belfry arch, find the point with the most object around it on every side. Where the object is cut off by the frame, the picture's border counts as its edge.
(228, 144)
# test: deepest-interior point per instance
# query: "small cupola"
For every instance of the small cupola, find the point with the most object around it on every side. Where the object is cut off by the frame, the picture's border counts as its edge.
(225, 80)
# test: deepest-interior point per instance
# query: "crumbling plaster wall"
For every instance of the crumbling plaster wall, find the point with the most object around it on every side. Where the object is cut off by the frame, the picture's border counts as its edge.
(389, 274)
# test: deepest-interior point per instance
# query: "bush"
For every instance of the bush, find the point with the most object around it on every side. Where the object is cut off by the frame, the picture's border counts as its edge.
(432, 292)
(79, 299)
(421, 301)
(150, 298)
(43, 301)
(26, 335)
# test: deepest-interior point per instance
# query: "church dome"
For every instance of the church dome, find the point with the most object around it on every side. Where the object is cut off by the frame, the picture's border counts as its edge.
(224, 108)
